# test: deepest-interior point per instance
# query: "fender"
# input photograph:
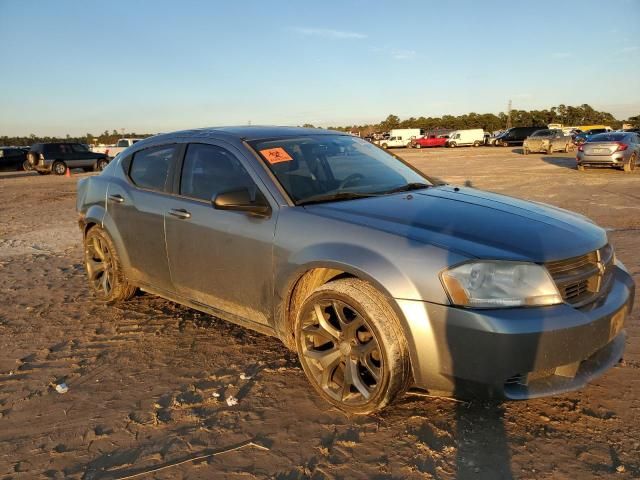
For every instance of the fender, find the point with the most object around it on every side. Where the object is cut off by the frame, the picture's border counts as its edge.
(350, 259)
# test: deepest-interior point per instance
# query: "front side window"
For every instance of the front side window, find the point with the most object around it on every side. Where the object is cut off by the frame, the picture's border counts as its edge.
(209, 170)
(313, 167)
(150, 167)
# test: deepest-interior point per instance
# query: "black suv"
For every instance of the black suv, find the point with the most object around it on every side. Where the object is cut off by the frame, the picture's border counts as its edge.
(57, 157)
(13, 158)
(515, 136)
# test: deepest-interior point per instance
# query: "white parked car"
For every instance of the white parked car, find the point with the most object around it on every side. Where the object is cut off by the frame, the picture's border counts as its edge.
(113, 150)
(459, 138)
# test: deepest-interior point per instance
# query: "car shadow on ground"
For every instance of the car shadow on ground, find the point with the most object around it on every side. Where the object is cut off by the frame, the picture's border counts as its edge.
(518, 151)
(564, 162)
(10, 175)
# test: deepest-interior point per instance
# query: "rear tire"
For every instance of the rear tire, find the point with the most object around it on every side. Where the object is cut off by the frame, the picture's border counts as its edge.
(453, 144)
(631, 165)
(104, 269)
(352, 347)
(59, 168)
(385, 146)
(476, 143)
(26, 166)
(101, 165)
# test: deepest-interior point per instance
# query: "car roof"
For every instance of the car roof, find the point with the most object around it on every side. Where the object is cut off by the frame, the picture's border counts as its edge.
(246, 132)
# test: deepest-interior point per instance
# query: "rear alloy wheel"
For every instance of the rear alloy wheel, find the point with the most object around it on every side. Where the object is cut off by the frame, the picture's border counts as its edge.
(453, 144)
(59, 168)
(351, 346)
(476, 143)
(101, 165)
(104, 269)
(630, 166)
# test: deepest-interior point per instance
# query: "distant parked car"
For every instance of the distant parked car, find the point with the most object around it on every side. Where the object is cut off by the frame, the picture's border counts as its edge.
(460, 138)
(547, 141)
(515, 136)
(614, 149)
(13, 159)
(57, 157)
(586, 135)
(430, 141)
(121, 145)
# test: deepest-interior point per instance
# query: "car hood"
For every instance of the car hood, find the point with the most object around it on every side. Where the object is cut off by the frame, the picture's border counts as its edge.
(474, 223)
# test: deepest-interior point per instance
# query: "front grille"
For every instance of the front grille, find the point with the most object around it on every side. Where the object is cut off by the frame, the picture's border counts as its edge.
(581, 279)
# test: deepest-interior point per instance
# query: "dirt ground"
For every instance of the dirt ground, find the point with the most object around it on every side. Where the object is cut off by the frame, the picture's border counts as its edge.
(147, 379)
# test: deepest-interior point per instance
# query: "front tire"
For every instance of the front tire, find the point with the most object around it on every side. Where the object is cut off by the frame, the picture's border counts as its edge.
(104, 269)
(59, 168)
(385, 146)
(476, 143)
(453, 144)
(351, 346)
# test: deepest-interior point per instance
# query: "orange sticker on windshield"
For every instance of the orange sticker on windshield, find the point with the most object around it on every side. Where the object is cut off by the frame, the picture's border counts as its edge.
(276, 155)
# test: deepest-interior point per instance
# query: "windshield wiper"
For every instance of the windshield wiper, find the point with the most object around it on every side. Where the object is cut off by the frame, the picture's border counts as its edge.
(333, 197)
(406, 188)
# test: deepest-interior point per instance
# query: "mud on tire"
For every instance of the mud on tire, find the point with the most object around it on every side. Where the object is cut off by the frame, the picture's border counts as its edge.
(104, 269)
(356, 356)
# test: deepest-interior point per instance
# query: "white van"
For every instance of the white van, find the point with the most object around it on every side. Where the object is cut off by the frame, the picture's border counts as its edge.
(458, 138)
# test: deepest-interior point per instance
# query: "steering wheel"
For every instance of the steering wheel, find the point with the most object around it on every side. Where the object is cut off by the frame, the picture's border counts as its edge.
(354, 177)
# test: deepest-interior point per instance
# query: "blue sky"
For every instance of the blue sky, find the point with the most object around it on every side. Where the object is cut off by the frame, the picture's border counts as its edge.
(148, 66)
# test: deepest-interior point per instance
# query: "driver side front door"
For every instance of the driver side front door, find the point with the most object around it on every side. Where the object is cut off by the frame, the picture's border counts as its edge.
(220, 258)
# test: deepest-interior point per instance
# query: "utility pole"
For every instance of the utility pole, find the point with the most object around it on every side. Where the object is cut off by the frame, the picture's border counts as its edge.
(509, 115)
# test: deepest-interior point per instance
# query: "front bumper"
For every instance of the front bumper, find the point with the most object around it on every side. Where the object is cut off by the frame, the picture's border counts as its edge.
(517, 353)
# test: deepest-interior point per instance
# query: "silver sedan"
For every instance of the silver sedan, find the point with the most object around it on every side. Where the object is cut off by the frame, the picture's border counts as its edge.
(612, 149)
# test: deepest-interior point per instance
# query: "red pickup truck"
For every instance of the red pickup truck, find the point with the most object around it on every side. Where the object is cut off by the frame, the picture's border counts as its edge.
(430, 141)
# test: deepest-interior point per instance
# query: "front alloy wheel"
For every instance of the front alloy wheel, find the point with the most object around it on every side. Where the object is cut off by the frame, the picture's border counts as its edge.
(351, 346)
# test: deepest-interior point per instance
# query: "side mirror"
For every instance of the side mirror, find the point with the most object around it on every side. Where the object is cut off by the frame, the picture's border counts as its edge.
(241, 200)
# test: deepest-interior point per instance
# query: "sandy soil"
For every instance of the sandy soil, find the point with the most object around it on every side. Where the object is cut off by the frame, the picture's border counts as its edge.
(147, 379)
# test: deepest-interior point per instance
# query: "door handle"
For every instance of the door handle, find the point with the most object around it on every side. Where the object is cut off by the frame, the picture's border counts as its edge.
(180, 213)
(116, 198)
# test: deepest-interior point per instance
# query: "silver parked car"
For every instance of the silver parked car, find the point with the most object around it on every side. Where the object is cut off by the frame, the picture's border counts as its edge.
(547, 141)
(611, 149)
(380, 279)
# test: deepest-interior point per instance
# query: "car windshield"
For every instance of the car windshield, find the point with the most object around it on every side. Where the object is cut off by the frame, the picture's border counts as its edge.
(319, 168)
(607, 137)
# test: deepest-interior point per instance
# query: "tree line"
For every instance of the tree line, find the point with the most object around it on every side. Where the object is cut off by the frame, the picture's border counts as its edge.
(566, 115)
(104, 138)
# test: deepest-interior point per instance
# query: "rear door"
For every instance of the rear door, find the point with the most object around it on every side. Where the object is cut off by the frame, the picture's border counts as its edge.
(136, 206)
(220, 258)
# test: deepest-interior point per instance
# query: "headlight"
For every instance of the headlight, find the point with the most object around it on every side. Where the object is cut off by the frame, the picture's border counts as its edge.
(500, 284)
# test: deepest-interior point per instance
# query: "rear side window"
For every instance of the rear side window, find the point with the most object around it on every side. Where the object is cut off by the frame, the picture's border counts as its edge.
(209, 170)
(150, 167)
